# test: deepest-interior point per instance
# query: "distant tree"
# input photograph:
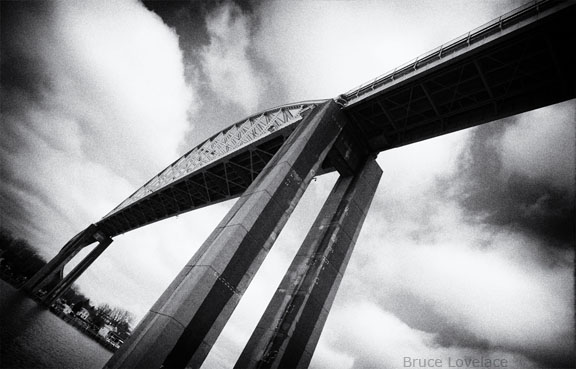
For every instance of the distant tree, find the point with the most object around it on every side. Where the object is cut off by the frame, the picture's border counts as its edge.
(6, 239)
(119, 315)
(101, 315)
(123, 330)
(73, 296)
(18, 256)
(122, 319)
(85, 303)
(116, 317)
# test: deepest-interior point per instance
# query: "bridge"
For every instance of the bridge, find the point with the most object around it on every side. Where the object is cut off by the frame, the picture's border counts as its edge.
(518, 62)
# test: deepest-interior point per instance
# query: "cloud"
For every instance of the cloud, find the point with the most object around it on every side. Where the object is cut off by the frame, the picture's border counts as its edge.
(482, 289)
(520, 174)
(94, 102)
(526, 147)
(227, 60)
(321, 49)
(448, 268)
(375, 338)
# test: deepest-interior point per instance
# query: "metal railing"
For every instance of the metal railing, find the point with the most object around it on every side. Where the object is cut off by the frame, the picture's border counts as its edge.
(495, 26)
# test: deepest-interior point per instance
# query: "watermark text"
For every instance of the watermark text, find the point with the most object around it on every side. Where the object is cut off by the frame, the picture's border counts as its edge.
(451, 362)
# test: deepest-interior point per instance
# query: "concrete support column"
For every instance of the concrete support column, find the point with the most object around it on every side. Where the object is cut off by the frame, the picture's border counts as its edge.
(53, 270)
(181, 327)
(66, 282)
(288, 332)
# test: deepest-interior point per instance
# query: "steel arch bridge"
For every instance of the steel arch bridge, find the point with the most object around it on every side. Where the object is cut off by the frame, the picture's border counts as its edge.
(509, 65)
(520, 61)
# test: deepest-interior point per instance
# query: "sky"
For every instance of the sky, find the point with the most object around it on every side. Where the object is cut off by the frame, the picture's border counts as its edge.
(468, 248)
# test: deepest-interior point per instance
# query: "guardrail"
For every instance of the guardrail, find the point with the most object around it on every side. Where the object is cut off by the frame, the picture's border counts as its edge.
(529, 10)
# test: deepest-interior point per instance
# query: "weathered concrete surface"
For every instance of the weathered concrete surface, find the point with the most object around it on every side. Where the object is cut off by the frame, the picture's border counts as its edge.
(181, 327)
(288, 332)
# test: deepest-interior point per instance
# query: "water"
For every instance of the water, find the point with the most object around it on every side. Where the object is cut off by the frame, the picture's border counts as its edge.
(32, 337)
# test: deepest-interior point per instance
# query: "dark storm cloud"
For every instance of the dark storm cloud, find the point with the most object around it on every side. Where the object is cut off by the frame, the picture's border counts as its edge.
(535, 206)
(24, 83)
(19, 73)
(217, 42)
(188, 19)
(21, 81)
(529, 204)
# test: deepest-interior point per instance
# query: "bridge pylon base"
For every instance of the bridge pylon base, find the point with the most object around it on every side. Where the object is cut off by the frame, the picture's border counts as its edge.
(49, 283)
(288, 332)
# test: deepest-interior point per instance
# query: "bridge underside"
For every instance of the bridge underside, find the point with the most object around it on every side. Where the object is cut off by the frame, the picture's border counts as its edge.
(221, 181)
(468, 84)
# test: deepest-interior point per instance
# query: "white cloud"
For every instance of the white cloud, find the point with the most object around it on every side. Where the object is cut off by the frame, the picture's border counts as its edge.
(112, 110)
(226, 60)
(118, 74)
(321, 49)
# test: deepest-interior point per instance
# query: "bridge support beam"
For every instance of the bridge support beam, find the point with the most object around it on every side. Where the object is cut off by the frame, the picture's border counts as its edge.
(66, 282)
(181, 327)
(53, 270)
(288, 332)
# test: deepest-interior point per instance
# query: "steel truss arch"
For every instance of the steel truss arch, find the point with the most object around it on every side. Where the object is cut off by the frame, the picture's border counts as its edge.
(190, 177)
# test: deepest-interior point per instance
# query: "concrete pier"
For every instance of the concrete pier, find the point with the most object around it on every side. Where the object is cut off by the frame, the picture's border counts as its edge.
(288, 332)
(66, 282)
(181, 327)
(53, 271)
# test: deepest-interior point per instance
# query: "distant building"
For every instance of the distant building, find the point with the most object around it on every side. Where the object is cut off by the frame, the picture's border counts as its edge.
(61, 307)
(83, 314)
(105, 330)
(66, 309)
(114, 339)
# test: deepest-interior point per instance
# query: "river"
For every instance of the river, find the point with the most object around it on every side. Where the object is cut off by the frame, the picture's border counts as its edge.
(33, 337)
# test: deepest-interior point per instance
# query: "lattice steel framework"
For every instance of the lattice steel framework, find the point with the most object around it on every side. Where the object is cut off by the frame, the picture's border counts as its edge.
(220, 168)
